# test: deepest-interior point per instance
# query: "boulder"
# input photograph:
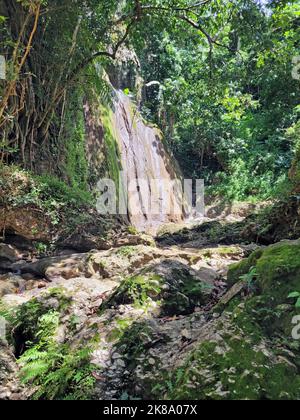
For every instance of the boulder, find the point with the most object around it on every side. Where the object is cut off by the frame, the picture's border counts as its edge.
(8, 252)
(27, 222)
(51, 268)
(177, 288)
(10, 284)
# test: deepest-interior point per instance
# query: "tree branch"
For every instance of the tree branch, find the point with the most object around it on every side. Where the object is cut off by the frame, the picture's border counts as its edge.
(178, 9)
(108, 54)
(210, 39)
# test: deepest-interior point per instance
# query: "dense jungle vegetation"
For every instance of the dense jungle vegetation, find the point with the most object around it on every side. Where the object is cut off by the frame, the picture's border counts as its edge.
(225, 96)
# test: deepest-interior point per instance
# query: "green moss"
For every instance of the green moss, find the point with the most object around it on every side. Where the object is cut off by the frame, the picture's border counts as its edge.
(277, 273)
(134, 343)
(76, 170)
(132, 230)
(112, 151)
(185, 293)
(120, 326)
(226, 250)
(233, 370)
(279, 268)
(237, 270)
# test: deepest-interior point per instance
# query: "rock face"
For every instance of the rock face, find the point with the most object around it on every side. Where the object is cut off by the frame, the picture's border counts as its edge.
(147, 165)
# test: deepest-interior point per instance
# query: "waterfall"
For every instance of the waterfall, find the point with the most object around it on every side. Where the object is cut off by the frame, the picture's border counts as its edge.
(144, 157)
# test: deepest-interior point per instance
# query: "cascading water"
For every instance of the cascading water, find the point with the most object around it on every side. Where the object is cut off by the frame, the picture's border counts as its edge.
(148, 168)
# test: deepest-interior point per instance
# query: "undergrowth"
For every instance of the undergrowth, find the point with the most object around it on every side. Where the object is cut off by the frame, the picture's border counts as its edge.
(53, 368)
(20, 188)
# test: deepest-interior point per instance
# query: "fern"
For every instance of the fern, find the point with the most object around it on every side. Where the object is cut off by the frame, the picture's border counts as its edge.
(55, 370)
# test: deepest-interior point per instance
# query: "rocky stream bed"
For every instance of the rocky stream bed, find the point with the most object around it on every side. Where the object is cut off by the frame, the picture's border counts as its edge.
(187, 317)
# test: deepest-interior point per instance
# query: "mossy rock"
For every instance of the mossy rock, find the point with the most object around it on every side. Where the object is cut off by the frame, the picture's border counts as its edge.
(277, 269)
(231, 360)
(235, 370)
(173, 286)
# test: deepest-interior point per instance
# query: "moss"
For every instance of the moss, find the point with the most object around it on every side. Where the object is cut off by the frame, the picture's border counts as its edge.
(277, 271)
(134, 339)
(232, 370)
(279, 268)
(185, 293)
(120, 326)
(132, 230)
(135, 342)
(226, 250)
(76, 166)
(112, 151)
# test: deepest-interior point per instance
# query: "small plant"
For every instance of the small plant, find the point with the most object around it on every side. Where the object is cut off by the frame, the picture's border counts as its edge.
(132, 230)
(141, 288)
(41, 248)
(121, 326)
(170, 383)
(249, 279)
(295, 295)
(126, 251)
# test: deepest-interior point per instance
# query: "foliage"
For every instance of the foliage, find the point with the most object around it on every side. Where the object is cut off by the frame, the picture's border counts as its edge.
(227, 110)
(249, 279)
(22, 188)
(295, 295)
(223, 89)
(54, 369)
(139, 289)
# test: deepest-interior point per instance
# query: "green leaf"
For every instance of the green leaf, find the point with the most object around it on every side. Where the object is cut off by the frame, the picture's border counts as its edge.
(298, 303)
(294, 295)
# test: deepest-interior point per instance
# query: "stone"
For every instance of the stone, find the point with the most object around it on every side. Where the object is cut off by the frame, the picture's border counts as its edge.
(27, 222)
(9, 253)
